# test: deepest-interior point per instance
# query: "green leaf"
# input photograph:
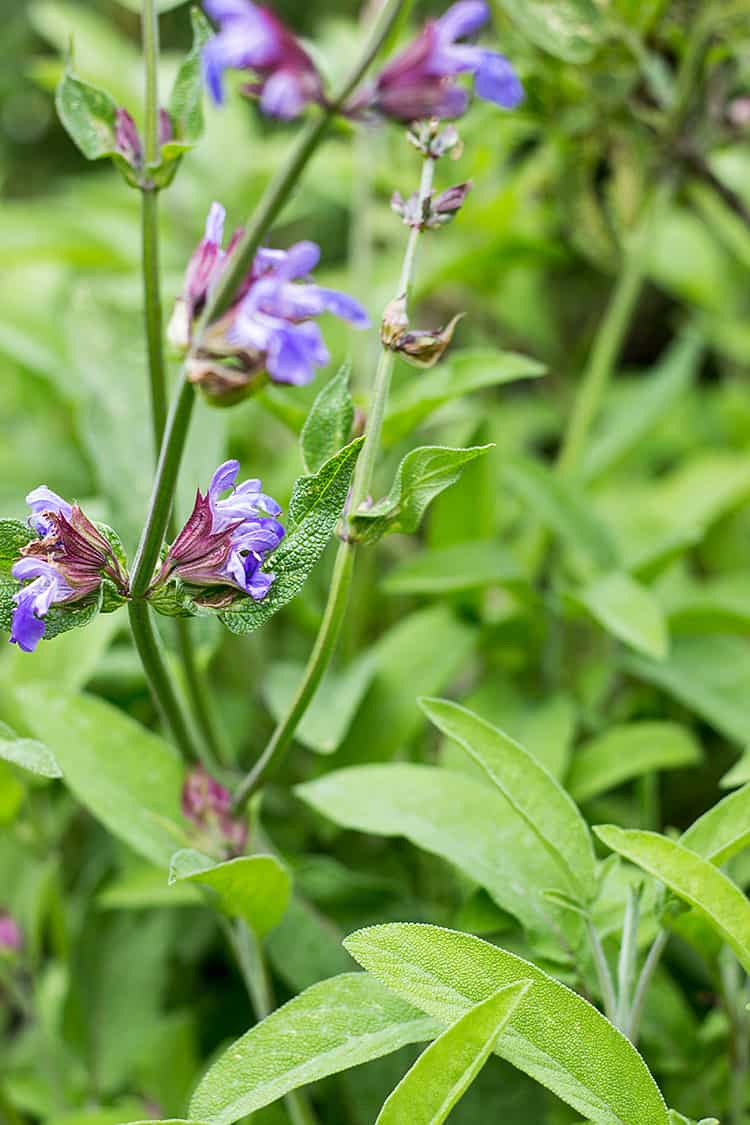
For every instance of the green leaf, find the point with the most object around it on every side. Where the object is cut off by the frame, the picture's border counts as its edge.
(27, 753)
(14, 535)
(561, 509)
(739, 774)
(467, 822)
(334, 1025)
(692, 878)
(253, 887)
(655, 396)
(444, 1072)
(314, 510)
(555, 1036)
(186, 99)
(709, 675)
(328, 426)
(89, 116)
(454, 569)
(567, 29)
(144, 886)
(628, 751)
(461, 374)
(130, 779)
(723, 830)
(328, 718)
(422, 475)
(627, 610)
(538, 799)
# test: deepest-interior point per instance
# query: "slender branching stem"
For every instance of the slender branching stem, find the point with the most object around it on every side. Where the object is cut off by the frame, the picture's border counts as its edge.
(200, 696)
(627, 959)
(338, 594)
(320, 658)
(251, 964)
(603, 973)
(271, 203)
(157, 671)
(734, 996)
(644, 980)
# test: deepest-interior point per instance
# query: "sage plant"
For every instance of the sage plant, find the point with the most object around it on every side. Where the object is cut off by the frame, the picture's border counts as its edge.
(554, 959)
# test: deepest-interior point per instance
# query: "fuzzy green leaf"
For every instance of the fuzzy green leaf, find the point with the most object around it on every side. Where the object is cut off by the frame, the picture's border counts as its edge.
(329, 424)
(14, 535)
(541, 802)
(333, 1025)
(692, 879)
(555, 1036)
(422, 475)
(89, 116)
(444, 1072)
(723, 830)
(314, 510)
(186, 99)
(628, 751)
(27, 753)
(627, 610)
(253, 887)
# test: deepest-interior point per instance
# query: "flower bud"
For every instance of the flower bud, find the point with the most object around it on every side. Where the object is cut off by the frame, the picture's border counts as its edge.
(208, 805)
(424, 349)
(127, 138)
(11, 938)
(429, 139)
(434, 212)
(395, 322)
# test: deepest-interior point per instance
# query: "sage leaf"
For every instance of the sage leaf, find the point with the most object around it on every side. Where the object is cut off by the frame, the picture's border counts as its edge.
(446, 1069)
(328, 426)
(255, 888)
(331, 1026)
(627, 751)
(555, 1035)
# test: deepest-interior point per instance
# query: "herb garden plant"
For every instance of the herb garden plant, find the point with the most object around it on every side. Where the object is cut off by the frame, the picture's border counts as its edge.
(376, 572)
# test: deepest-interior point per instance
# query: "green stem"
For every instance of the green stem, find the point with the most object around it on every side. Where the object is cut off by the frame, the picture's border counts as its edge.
(161, 683)
(641, 989)
(611, 333)
(320, 658)
(200, 698)
(627, 960)
(735, 998)
(152, 312)
(274, 198)
(338, 595)
(604, 976)
(249, 956)
(150, 35)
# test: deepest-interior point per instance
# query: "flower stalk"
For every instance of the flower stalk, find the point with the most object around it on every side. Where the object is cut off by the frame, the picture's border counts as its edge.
(341, 580)
(271, 203)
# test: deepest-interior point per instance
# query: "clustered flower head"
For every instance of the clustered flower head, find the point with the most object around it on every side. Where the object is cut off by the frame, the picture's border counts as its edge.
(253, 38)
(208, 805)
(419, 83)
(11, 938)
(269, 329)
(225, 541)
(67, 563)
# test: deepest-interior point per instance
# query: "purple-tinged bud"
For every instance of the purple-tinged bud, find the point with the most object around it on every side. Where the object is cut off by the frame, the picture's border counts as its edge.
(127, 138)
(208, 805)
(11, 938)
(395, 322)
(434, 212)
(424, 349)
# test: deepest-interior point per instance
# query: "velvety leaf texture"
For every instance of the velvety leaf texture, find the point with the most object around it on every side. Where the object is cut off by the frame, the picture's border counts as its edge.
(336, 1024)
(554, 1035)
(329, 424)
(314, 510)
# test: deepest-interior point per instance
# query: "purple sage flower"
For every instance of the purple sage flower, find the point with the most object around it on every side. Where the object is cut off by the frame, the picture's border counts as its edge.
(420, 81)
(67, 563)
(253, 38)
(269, 329)
(11, 939)
(226, 540)
(208, 805)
